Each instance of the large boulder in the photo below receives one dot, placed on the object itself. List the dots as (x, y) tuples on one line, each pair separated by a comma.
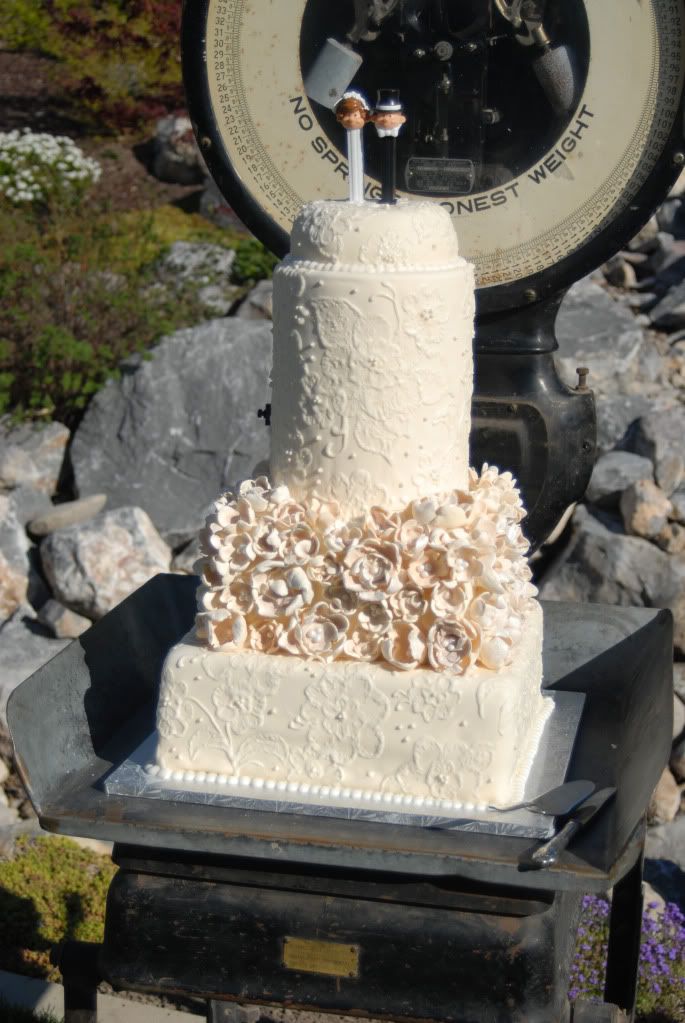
[(659, 436), (24, 648), (93, 566), (14, 560), (176, 157), (31, 454), (596, 331), (615, 472), (179, 428), (603, 567)]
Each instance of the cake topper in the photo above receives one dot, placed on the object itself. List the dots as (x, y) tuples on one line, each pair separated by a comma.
[(352, 111), (389, 118)]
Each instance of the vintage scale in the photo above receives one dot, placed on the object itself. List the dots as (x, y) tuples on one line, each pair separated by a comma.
[(550, 131)]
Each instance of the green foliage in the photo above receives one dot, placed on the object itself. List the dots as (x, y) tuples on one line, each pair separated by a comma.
[(16, 1014), (50, 890), (253, 262), (79, 293), (119, 58)]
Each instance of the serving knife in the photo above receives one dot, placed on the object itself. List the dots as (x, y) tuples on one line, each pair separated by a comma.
[(546, 854)]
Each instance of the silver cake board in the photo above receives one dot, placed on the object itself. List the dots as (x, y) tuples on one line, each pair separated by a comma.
[(132, 778)]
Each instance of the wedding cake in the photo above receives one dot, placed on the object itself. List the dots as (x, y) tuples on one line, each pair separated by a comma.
[(367, 633)]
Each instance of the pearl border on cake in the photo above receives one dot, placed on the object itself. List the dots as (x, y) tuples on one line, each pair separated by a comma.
[(293, 788)]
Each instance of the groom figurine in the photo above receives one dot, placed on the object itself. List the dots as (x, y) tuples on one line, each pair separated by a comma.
[(388, 118)]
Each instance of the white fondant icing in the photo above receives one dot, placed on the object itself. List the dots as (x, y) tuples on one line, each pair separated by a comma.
[(346, 719)]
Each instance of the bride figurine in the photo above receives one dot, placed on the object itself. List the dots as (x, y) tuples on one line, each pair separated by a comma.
[(352, 111)]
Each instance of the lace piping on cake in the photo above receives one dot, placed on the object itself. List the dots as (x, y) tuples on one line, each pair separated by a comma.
[(445, 581), (291, 265)]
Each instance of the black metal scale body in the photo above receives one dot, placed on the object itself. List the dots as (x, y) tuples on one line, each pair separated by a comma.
[(347, 916)]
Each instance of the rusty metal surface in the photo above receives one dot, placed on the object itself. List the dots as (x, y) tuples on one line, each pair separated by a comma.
[(92, 704)]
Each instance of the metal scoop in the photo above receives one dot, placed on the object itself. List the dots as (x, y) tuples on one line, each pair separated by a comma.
[(557, 802)]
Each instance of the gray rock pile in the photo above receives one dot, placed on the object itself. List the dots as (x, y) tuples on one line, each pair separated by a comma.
[(625, 544)]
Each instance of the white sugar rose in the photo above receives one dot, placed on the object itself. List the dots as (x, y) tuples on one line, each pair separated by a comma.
[(413, 538), (318, 635), (450, 601), (428, 569), (236, 553), (340, 537), (408, 605), (300, 545), (264, 637), (374, 618), (383, 525), (495, 651), (489, 611), (221, 630), (280, 592), (323, 570), (256, 493), (452, 646), (361, 645), (370, 569), (403, 646), (342, 599), (268, 539)]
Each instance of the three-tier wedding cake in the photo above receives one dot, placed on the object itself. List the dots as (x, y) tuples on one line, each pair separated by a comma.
[(367, 632)]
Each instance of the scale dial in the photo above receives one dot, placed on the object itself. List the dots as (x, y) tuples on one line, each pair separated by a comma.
[(541, 188)]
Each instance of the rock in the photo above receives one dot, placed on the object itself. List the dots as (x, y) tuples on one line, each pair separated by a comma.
[(672, 538), (678, 506), (199, 262), (644, 509), (214, 207), (672, 596), (176, 156), (68, 514), (669, 215), (205, 266), (4, 772), (678, 716), (645, 239), (677, 761), (659, 437), (678, 188), (595, 330), (179, 428), (185, 560), (600, 566), (619, 272), (31, 454), (679, 679), (615, 416), (258, 305), (665, 801), (669, 313), (14, 561), (24, 648), (615, 472), (28, 503), (92, 567), (61, 622), (663, 869)]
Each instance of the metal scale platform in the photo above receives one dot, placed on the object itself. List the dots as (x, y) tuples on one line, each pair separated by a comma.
[(550, 131)]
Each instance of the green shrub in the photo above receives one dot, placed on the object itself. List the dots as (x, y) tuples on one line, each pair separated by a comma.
[(49, 891), (79, 293), (119, 59), (253, 262)]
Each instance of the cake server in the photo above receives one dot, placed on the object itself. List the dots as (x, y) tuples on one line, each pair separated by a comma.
[(547, 853), (556, 802)]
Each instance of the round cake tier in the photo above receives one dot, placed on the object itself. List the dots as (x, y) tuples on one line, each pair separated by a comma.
[(407, 235), (373, 369)]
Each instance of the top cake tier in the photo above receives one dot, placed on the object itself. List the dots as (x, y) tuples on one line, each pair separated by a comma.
[(406, 236), (373, 369)]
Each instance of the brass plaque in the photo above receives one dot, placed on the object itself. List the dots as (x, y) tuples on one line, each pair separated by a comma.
[(329, 957)]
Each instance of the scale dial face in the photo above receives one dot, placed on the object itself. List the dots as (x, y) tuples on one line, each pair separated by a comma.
[(542, 185)]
